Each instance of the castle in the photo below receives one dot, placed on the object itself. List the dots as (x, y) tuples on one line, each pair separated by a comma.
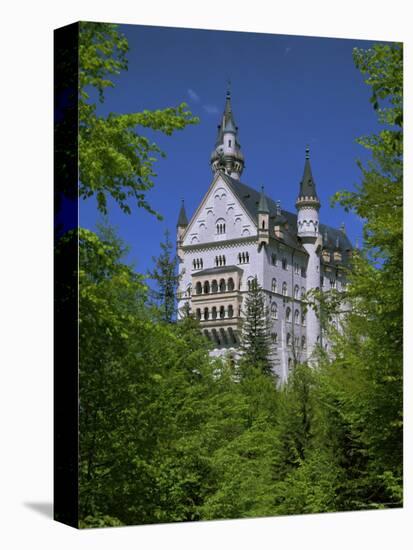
[(238, 233)]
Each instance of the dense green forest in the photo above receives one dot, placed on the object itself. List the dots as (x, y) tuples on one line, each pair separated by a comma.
[(168, 433)]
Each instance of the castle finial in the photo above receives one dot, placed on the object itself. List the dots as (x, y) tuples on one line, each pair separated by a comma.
[(307, 152), (229, 87), (343, 228)]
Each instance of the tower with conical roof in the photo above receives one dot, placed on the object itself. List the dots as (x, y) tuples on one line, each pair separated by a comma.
[(308, 228), (227, 155)]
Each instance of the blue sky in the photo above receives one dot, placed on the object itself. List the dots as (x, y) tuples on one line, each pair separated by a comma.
[(287, 91)]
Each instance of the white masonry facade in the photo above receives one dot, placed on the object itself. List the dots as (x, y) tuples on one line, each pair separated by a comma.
[(238, 233)]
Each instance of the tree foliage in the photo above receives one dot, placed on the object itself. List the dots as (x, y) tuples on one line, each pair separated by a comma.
[(166, 278), (256, 348)]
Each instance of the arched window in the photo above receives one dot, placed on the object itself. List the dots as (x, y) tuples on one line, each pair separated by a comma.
[(194, 264), (198, 314), (303, 342), (274, 311), (222, 285), (296, 341), (224, 260), (288, 314), (284, 291), (239, 258), (302, 293), (214, 312), (220, 226), (198, 288), (288, 339), (284, 263), (243, 257), (296, 292), (263, 224), (274, 338), (206, 287), (214, 286), (274, 285), (231, 284), (303, 319), (297, 317), (230, 311), (247, 257), (206, 314), (202, 263), (222, 312)]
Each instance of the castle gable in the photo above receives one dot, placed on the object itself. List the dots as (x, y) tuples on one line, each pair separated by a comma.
[(221, 216)]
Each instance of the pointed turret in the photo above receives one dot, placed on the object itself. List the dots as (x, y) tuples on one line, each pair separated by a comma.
[(263, 219), (181, 225), (307, 184), (227, 154), (182, 218), (263, 204)]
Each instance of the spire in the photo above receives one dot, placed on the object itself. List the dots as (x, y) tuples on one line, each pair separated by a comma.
[(227, 155), (307, 184), (182, 219), (263, 204)]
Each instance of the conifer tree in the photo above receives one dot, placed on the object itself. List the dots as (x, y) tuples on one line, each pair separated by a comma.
[(166, 280), (256, 345)]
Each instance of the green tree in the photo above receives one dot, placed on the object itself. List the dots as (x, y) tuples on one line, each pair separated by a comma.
[(114, 159), (256, 345), (166, 277), (370, 350)]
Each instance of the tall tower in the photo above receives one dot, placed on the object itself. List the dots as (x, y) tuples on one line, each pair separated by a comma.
[(227, 154), (308, 205)]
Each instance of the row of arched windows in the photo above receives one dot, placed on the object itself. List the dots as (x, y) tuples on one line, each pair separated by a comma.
[(215, 286), (215, 313), (243, 258), (274, 314), (274, 288), (220, 260), (197, 263)]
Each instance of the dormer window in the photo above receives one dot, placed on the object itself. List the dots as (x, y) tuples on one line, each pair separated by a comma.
[(229, 143)]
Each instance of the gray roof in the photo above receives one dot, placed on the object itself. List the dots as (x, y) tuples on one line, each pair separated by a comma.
[(250, 199), (182, 218), (307, 184)]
